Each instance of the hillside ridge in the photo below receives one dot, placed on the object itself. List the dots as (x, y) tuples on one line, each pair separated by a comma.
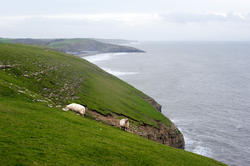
[(63, 79), (76, 46), (34, 130)]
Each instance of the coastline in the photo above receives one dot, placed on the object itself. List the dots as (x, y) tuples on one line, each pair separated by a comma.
[(169, 135)]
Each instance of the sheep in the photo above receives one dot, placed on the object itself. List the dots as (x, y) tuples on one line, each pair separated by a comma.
[(124, 124), (5, 66), (76, 108)]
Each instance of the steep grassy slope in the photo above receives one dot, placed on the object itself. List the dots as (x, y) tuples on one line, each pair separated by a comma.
[(78, 46), (65, 78), (33, 134)]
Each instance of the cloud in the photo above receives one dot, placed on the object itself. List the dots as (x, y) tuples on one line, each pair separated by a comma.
[(134, 19), (131, 19), (142, 26), (206, 17)]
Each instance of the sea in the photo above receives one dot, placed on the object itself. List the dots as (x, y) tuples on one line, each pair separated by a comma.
[(203, 87)]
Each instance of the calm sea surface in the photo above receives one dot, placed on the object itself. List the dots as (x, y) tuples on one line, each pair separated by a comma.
[(204, 88)]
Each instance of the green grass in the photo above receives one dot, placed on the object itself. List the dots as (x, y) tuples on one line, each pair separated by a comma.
[(33, 134), (66, 78), (4, 40), (63, 43), (75, 45)]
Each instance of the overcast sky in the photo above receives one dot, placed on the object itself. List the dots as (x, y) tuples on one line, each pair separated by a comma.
[(127, 19)]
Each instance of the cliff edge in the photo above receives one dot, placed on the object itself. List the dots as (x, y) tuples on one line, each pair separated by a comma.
[(62, 79)]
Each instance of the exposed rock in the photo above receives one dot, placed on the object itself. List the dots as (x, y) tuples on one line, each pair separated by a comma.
[(166, 135)]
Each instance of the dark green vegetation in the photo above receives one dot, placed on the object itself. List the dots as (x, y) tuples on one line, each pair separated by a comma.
[(78, 46), (31, 133)]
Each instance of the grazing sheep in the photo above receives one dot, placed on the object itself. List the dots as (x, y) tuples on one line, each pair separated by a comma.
[(76, 108), (124, 124), (5, 66)]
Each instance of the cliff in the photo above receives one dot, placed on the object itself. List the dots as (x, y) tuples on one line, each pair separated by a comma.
[(154, 103), (40, 81), (167, 135)]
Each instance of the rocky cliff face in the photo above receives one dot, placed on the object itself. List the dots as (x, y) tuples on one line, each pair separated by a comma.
[(151, 101), (166, 135)]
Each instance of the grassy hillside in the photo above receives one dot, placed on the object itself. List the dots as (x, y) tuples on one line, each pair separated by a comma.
[(77, 46), (34, 134), (65, 78)]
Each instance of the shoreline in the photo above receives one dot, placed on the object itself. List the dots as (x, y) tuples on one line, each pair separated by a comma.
[(93, 53), (179, 141)]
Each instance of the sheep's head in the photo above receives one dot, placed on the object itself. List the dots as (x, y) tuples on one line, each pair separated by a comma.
[(65, 109)]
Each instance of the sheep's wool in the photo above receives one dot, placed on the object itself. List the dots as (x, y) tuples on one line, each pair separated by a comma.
[(124, 123), (76, 108)]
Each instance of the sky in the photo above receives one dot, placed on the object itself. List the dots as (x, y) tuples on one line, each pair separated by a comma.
[(158, 20)]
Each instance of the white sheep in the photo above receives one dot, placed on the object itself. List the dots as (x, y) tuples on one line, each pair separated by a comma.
[(124, 124), (76, 108)]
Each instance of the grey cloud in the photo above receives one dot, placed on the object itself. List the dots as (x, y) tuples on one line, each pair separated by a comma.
[(142, 26)]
